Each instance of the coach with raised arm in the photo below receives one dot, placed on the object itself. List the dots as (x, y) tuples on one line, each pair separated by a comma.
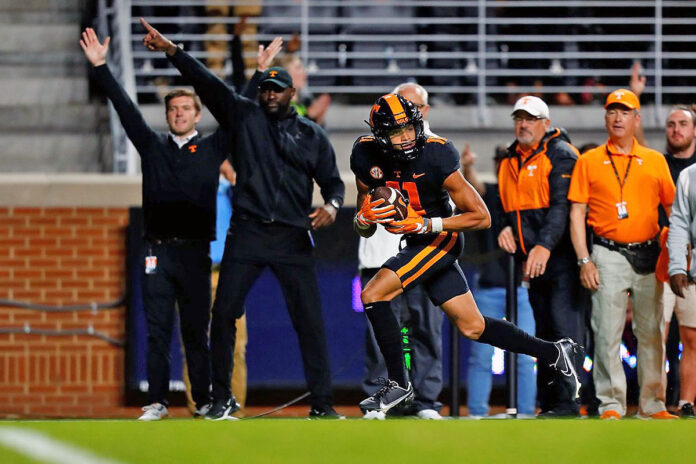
[(277, 155), (180, 180)]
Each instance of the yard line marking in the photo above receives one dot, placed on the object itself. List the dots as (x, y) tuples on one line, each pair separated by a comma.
[(46, 449)]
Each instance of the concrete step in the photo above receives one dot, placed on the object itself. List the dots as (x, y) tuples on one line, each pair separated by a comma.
[(41, 91), (40, 17), (50, 152), (28, 38), (42, 5), (54, 64), (75, 118)]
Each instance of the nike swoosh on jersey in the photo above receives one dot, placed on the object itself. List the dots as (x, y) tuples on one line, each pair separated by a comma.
[(416, 176)]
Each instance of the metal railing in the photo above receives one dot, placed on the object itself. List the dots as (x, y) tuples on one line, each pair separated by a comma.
[(113, 19), (476, 51)]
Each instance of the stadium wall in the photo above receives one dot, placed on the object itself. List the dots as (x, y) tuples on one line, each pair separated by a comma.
[(61, 255)]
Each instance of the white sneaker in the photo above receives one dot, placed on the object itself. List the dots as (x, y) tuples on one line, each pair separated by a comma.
[(154, 412), (429, 414), (202, 411), (374, 415)]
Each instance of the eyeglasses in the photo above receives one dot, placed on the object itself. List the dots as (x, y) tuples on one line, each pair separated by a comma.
[(530, 119)]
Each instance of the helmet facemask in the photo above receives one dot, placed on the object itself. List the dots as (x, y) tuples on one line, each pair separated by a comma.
[(392, 112)]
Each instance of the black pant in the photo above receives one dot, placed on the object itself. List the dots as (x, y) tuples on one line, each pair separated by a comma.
[(182, 276), (556, 299), (250, 247)]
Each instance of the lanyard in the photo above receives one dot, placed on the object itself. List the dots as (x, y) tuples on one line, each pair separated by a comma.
[(616, 172)]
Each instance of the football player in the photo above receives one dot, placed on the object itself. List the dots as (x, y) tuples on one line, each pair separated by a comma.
[(426, 171)]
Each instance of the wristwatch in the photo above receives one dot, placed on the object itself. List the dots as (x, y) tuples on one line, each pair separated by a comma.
[(583, 261), (335, 203)]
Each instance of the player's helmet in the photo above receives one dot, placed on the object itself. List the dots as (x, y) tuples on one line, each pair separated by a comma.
[(391, 112)]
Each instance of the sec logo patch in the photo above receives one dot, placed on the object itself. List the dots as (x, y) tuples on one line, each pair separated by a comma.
[(376, 172)]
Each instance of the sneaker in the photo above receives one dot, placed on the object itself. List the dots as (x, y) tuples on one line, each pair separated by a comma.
[(610, 415), (687, 411), (661, 415), (569, 356), (429, 414), (387, 397), (223, 410), (374, 415), (154, 412), (559, 413), (202, 411), (325, 412)]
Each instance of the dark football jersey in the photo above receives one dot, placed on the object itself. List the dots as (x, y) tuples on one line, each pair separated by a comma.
[(420, 180)]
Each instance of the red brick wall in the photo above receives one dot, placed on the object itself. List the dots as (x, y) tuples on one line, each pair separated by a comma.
[(62, 256)]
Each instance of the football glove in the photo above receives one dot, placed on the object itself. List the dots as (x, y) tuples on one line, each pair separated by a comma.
[(413, 224), (372, 212)]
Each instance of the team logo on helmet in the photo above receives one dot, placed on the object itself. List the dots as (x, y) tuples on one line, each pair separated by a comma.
[(391, 112), (376, 172)]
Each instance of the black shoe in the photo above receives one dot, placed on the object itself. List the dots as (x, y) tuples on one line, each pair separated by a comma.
[(569, 356), (223, 410), (559, 413), (202, 411), (687, 411), (387, 397), (324, 412)]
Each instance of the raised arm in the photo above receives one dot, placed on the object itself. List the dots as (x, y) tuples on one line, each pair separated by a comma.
[(131, 118), (222, 101)]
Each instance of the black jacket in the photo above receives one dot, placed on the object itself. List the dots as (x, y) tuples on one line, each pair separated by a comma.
[(276, 161), (179, 184)]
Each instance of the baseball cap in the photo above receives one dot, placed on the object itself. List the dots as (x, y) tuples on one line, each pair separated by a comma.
[(532, 105), (623, 97), (276, 75)]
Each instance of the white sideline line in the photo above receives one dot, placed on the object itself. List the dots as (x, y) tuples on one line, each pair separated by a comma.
[(41, 447)]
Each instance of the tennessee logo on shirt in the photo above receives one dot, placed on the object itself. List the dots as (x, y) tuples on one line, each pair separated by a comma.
[(193, 148)]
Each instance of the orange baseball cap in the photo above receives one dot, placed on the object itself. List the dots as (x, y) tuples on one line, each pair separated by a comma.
[(623, 97)]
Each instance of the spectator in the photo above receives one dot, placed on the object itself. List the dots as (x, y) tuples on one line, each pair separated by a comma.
[(277, 156), (623, 183), (533, 181), (304, 102), (682, 234), (179, 209), (490, 293), (413, 309)]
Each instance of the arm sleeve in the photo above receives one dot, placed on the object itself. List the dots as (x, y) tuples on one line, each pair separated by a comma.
[(238, 66), (326, 172), (556, 220), (357, 164), (131, 118), (579, 190), (251, 89), (679, 225), (222, 101)]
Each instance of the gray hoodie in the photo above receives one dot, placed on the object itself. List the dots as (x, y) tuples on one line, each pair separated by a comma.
[(682, 223)]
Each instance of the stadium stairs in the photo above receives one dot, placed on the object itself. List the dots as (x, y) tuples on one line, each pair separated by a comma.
[(46, 121)]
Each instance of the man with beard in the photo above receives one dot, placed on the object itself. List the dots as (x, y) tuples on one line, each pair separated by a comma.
[(277, 156)]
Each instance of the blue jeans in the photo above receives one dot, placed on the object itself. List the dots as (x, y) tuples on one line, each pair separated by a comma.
[(491, 303)]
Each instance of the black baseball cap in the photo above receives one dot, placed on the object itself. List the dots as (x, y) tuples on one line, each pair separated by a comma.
[(278, 76)]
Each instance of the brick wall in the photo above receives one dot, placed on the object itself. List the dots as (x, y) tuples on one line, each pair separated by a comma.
[(61, 256)]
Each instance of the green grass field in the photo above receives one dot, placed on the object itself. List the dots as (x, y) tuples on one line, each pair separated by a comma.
[(359, 441)]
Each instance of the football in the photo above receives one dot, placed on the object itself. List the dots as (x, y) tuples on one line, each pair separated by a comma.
[(392, 196)]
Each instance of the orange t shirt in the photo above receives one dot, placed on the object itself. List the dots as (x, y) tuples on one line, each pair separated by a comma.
[(647, 185)]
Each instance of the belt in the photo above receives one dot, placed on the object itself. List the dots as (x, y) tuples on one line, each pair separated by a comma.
[(176, 241), (615, 246)]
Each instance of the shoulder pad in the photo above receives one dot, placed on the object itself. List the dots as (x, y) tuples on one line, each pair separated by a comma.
[(366, 138), (440, 140)]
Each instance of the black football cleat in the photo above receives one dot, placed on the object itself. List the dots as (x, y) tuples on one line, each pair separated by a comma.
[(223, 410), (687, 411), (390, 395), (324, 412), (569, 356)]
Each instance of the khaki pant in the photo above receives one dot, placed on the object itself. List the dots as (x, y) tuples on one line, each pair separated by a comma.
[(239, 374), (608, 321)]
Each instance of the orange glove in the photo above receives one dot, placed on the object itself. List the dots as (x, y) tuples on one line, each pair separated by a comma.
[(371, 212), (413, 224)]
